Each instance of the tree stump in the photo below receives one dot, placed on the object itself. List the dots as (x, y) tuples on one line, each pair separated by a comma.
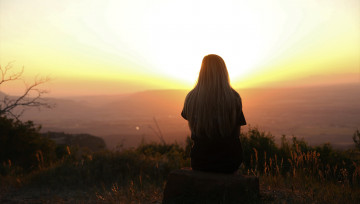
[(188, 186)]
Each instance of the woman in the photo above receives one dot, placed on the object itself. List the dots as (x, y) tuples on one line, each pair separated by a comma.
[(214, 112)]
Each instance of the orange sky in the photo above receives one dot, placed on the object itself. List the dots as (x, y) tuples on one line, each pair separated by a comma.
[(109, 47)]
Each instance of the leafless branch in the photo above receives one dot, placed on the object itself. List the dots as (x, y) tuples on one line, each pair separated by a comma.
[(31, 97), (9, 77)]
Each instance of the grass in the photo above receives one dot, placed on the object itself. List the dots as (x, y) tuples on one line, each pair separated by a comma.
[(291, 173)]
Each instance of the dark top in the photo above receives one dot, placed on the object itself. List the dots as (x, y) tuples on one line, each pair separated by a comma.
[(223, 155)]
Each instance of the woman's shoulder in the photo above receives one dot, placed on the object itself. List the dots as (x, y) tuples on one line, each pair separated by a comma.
[(190, 92), (236, 94), (237, 98), (188, 95)]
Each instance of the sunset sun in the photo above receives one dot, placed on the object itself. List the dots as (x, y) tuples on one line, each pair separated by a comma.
[(137, 45)]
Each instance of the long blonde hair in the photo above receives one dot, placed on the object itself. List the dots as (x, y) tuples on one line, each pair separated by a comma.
[(211, 106)]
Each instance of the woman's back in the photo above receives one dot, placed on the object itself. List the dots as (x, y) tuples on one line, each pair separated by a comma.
[(214, 112)]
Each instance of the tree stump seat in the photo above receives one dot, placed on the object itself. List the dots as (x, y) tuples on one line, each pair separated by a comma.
[(188, 186)]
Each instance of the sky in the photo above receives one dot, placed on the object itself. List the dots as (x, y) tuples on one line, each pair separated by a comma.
[(93, 47)]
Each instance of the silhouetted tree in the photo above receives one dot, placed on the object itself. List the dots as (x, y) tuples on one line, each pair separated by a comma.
[(22, 145), (31, 97)]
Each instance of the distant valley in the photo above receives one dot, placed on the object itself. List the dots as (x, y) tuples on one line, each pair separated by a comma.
[(317, 114)]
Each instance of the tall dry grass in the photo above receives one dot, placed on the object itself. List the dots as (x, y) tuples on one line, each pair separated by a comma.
[(293, 171)]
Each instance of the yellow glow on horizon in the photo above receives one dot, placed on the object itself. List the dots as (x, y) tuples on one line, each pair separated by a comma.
[(141, 44)]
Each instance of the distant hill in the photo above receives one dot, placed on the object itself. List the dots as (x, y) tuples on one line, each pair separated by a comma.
[(318, 114), (90, 142)]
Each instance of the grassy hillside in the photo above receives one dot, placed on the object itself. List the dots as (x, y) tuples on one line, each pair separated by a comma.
[(293, 172)]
